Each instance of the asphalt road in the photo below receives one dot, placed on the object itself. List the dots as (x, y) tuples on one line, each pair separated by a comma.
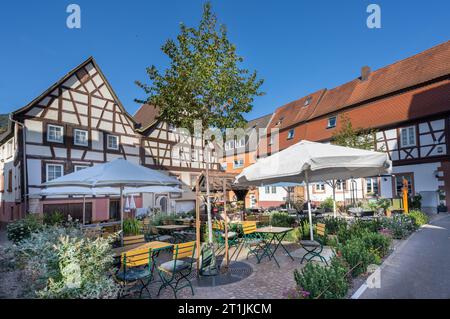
[(419, 268)]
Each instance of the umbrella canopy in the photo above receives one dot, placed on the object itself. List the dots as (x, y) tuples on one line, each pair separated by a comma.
[(99, 191), (313, 162), (322, 161), (118, 172)]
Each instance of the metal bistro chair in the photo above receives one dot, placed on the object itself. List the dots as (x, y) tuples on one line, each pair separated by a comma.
[(251, 240), (219, 235), (314, 248), (173, 272), (136, 268)]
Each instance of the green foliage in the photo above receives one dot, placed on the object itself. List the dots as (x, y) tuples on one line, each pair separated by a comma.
[(357, 255), (23, 228), (282, 219), (55, 218), (132, 226), (203, 82), (416, 202), (400, 225), (376, 242), (418, 217), (332, 225), (323, 282), (59, 262), (348, 136), (294, 235), (327, 204), (3, 122)]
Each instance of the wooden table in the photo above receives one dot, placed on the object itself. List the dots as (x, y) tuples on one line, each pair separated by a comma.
[(170, 229), (277, 235), (152, 244)]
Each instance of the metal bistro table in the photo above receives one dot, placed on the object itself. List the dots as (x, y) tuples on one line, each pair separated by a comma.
[(277, 235), (170, 229)]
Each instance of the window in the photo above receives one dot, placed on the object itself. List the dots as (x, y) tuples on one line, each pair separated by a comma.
[(341, 185), (10, 179), (9, 149), (399, 183), (54, 171), (80, 137), (229, 145), (307, 101), (280, 120), (372, 186), (331, 122), (240, 142), (113, 142), (408, 136), (290, 134), (224, 166), (274, 190), (55, 133), (267, 189), (77, 168), (238, 163), (271, 140), (319, 187)]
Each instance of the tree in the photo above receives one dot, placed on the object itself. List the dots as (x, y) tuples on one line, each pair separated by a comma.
[(348, 136), (204, 81)]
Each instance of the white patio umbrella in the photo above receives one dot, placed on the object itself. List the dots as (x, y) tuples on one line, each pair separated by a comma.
[(117, 173), (314, 162), (132, 202)]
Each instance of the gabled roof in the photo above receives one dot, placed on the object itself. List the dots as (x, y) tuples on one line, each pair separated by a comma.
[(67, 76), (146, 115)]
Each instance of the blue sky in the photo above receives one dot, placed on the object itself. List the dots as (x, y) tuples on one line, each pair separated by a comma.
[(296, 46)]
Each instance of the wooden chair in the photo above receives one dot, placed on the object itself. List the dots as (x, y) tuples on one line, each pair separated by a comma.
[(264, 219), (132, 240), (314, 248), (251, 218), (178, 269), (136, 268)]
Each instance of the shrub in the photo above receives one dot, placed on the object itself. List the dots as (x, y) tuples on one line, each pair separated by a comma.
[(23, 228), (323, 282), (418, 217), (55, 218), (357, 255), (59, 262), (376, 242), (294, 235), (400, 225), (416, 202), (327, 204), (282, 220), (332, 224), (132, 226)]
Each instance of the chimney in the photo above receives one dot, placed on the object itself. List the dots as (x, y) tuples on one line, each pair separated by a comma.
[(365, 72)]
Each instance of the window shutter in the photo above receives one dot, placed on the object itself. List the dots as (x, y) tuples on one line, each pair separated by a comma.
[(10, 181), (2, 183)]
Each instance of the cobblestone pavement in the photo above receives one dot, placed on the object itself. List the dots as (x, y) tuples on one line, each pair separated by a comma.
[(266, 281)]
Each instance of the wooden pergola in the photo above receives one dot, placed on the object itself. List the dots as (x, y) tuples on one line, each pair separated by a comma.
[(219, 183)]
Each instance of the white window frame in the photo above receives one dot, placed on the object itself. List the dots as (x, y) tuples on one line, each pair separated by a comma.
[(77, 168), (271, 140), (407, 130), (47, 170), (48, 133), (75, 137), (240, 165), (267, 189), (291, 136), (330, 120), (107, 142), (274, 189), (240, 142), (372, 181), (319, 187)]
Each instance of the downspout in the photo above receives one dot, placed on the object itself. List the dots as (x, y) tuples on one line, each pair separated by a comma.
[(24, 157)]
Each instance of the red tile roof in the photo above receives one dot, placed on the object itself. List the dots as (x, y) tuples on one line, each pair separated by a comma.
[(146, 115)]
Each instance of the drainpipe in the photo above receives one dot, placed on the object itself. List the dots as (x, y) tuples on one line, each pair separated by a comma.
[(24, 156)]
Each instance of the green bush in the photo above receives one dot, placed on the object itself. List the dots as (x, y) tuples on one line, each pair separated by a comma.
[(23, 228), (323, 282), (415, 202), (376, 242), (332, 225), (294, 235), (55, 218), (357, 255), (400, 225), (132, 226), (282, 220), (327, 204), (60, 262), (418, 217)]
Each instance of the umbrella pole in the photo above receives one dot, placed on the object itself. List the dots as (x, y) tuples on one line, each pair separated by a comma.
[(226, 222), (84, 210), (197, 224), (334, 198), (121, 213), (309, 206)]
